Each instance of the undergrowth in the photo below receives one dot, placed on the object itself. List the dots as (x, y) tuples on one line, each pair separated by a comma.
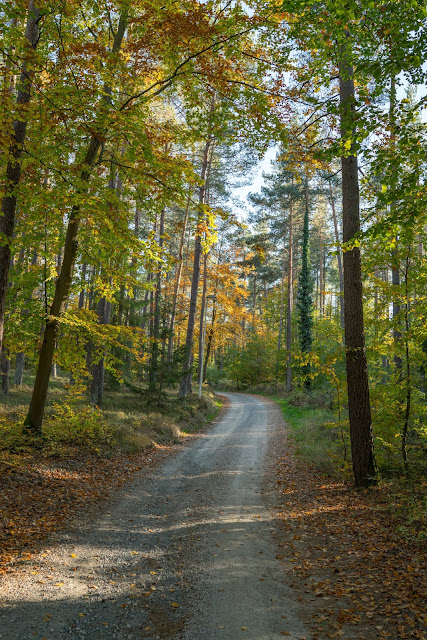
[(320, 440), (126, 423), (323, 442)]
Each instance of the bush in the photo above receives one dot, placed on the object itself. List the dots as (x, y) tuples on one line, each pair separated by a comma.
[(86, 427)]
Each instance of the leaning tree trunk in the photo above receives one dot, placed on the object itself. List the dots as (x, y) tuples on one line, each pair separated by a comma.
[(14, 153), (359, 407), (34, 418)]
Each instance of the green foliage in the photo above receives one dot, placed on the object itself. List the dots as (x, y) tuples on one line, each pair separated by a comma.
[(305, 299), (85, 427), (254, 363), (319, 440)]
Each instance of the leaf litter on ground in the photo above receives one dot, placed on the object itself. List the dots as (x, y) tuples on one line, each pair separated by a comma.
[(343, 546), (41, 494)]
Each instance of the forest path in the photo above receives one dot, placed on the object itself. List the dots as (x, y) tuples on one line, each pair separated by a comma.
[(186, 553)]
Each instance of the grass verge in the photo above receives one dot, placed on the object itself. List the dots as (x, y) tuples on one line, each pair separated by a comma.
[(318, 438)]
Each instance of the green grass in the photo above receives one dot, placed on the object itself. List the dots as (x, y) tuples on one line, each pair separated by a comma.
[(317, 436)]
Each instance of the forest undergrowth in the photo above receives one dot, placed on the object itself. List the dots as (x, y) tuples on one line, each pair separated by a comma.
[(84, 455), (323, 445)]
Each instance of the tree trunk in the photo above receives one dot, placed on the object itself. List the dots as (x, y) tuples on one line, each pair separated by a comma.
[(395, 268), (289, 300), (209, 343), (38, 400), (321, 276), (339, 253), (19, 369), (357, 374), (35, 414), (14, 153), (187, 368), (98, 369), (177, 281), (282, 300), (156, 313), (203, 310), (82, 293), (305, 293), (4, 371)]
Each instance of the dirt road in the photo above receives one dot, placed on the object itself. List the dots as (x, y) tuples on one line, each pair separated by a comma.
[(187, 553)]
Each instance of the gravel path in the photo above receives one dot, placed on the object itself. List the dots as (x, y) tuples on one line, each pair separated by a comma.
[(187, 553)]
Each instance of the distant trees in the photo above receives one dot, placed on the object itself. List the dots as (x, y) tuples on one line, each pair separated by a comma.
[(125, 127)]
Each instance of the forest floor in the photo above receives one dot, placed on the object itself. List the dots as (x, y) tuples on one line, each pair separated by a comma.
[(84, 458), (323, 560), (345, 545)]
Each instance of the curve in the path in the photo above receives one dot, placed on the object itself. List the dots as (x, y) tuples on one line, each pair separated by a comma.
[(187, 554)]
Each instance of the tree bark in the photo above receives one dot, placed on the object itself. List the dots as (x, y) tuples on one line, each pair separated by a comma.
[(203, 310), (395, 267), (177, 282), (4, 371), (209, 343), (34, 418), (187, 368), (13, 169), (321, 276), (339, 253), (19, 369), (153, 373), (282, 300), (289, 300), (357, 373), (98, 369), (82, 294)]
